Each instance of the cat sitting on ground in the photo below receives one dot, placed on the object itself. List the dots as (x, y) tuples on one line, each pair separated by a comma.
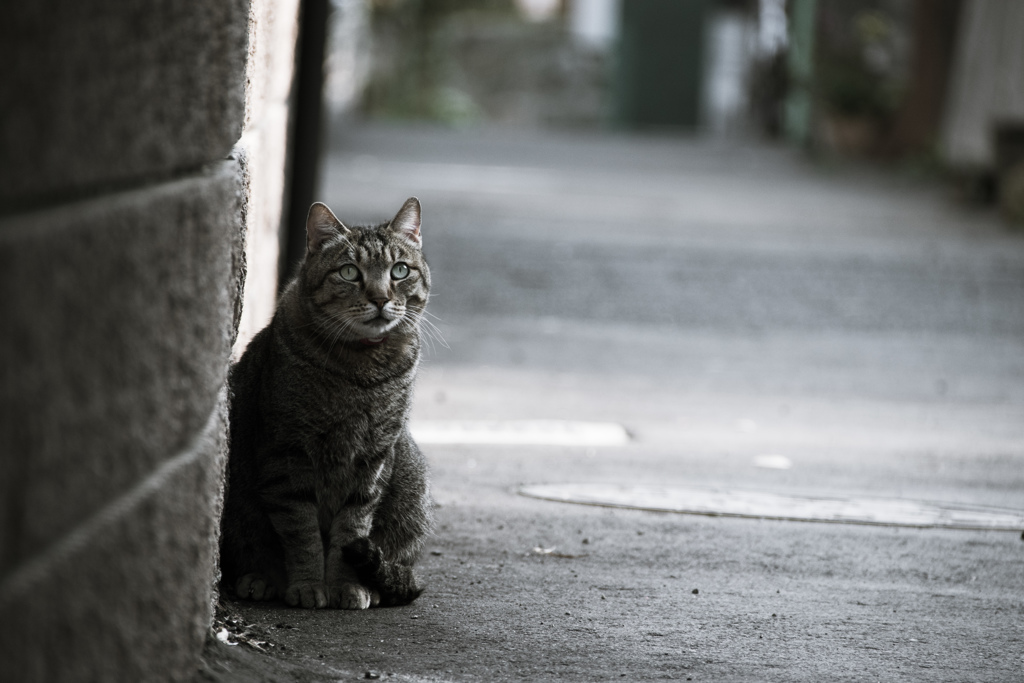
[(327, 502)]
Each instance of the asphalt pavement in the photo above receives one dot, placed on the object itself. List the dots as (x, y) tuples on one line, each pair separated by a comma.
[(758, 323)]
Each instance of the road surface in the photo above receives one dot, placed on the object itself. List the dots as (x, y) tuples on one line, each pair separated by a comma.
[(758, 325)]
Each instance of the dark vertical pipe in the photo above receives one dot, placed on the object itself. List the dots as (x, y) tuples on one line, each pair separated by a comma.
[(306, 124)]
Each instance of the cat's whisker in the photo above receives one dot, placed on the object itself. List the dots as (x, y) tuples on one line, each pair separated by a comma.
[(430, 342), (428, 328), (405, 323), (410, 323), (330, 324), (334, 330), (424, 338), (424, 311), (424, 316), (433, 331), (340, 330)]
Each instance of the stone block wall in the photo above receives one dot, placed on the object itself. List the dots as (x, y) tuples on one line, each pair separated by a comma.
[(143, 151), (105, 92)]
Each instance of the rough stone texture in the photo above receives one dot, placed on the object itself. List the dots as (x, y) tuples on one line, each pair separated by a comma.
[(125, 596), (114, 348), (123, 237), (107, 91)]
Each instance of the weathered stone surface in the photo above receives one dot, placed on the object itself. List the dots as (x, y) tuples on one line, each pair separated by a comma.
[(126, 595), (114, 345), (106, 91)]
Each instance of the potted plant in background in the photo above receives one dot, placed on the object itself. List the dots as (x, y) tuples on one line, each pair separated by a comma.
[(861, 69)]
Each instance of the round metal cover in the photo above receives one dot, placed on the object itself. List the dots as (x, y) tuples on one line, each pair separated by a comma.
[(760, 505)]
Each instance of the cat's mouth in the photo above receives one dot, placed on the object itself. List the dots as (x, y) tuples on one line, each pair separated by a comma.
[(377, 327), (376, 331)]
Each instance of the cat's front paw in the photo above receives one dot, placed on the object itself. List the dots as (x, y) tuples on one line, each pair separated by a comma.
[(255, 587), (353, 596), (307, 594)]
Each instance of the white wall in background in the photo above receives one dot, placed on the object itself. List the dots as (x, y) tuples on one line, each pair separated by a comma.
[(594, 22), (348, 58), (730, 52)]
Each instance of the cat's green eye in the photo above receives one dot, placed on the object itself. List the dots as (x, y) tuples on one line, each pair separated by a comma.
[(399, 271), (349, 272)]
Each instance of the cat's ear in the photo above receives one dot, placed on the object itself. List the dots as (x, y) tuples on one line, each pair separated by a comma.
[(407, 221), (321, 225)]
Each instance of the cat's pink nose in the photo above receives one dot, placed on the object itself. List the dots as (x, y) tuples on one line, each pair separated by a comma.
[(380, 303)]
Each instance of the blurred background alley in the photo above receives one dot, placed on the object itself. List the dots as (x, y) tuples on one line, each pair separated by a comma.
[(757, 261), (740, 229), (723, 302), (772, 241)]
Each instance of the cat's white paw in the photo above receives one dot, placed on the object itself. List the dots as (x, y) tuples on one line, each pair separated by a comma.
[(308, 594), (353, 596), (255, 587)]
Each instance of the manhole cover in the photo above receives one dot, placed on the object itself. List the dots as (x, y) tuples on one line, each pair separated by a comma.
[(753, 504), (519, 432)]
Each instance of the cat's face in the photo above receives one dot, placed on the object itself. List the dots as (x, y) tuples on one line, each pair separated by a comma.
[(367, 283)]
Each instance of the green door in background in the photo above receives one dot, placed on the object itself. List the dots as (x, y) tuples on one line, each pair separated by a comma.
[(660, 58)]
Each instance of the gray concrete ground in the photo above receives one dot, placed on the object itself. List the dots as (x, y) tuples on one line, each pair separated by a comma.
[(722, 302)]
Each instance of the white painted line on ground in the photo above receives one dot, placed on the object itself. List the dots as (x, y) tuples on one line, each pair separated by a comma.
[(746, 425), (753, 504), (773, 462), (519, 432)]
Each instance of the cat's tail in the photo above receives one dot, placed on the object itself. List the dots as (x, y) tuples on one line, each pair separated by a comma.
[(395, 582)]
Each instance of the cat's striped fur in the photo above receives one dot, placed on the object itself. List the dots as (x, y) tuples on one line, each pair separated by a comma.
[(327, 501)]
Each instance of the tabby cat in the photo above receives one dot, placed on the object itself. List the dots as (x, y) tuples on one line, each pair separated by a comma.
[(327, 501)]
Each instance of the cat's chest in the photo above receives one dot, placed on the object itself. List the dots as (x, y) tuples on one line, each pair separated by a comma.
[(341, 421), (349, 441)]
